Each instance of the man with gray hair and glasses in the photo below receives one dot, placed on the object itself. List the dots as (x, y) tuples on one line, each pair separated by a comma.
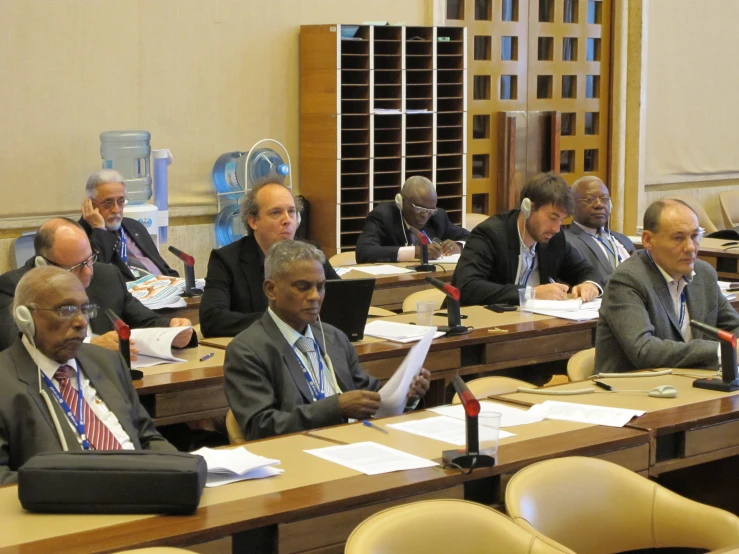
[(589, 232), (288, 373), (120, 241)]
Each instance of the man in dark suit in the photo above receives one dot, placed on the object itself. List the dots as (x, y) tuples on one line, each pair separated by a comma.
[(52, 309), (62, 242), (603, 248), (286, 374), (386, 236), (120, 241), (650, 299), (234, 296), (525, 247)]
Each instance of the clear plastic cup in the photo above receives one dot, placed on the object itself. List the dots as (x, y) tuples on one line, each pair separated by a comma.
[(489, 426), (425, 313), (526, 297)]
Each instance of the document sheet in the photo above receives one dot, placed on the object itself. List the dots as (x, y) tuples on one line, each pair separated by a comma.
[(398, 332), (371, 458), (510, 416), (382, 269), (447, 429), (155, 345), (584, 413), (236, 464), (574, 310)]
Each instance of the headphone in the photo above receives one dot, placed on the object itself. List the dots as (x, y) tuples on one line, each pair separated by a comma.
[(24, 321), (526, 208), (399, 201), (40, 261)]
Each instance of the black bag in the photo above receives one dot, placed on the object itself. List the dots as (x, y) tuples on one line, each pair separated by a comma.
[(112, 482)]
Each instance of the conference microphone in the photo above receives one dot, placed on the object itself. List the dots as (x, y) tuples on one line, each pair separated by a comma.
[(423, 241), (729, 379), (124, 342), (454, 319), (189, 261), (450, 290)]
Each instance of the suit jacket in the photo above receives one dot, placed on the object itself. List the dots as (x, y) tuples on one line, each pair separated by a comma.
[(106, 243), (234, 295), (638, 327), (384, 233), (266, 388), (107, 289), (26, 427), (486, 272), (588, 247)]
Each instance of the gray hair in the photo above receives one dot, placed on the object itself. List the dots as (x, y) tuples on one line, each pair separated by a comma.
[(584, 180), (43, 242), (249, 205), (415, 186), (36, 281), (100, 178), (284, 253)]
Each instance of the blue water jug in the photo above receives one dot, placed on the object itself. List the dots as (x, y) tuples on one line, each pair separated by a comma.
[(229, 227), (230, 174)]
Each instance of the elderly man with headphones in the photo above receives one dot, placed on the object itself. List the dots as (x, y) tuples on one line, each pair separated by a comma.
[(41, 408), (526, 247)]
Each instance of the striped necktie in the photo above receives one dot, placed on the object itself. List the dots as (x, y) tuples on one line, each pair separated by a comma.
[(100, 437)]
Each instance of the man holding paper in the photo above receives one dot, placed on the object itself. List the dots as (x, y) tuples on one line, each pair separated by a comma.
[(285, 373)]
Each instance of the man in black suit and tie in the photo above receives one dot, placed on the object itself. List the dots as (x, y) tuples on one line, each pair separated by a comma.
[(286, 374), (386, 236), (120, 241), (50, 366), (603, 248)]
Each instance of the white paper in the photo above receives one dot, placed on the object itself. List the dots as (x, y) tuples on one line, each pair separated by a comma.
[(510, 416), (236, 464), (447, 429), (394, 393), (584, 413), (155, 345), (559, 305), (451, 259), (578, 315), (398, 332), (219, 479), (342, 270), (371, 458), (382, 269)]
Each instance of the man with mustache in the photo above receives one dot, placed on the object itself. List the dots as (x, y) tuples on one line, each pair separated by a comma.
[(526, 248), (45, 371), (120, 241), (651, 298)]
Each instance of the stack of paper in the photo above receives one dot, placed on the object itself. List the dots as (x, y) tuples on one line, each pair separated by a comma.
[(447, 429), (371, 458), (584, 413), (398, 332), (236, 464), (155, 345), (382, 269), (575, 309), (160, 291), (510, 416)]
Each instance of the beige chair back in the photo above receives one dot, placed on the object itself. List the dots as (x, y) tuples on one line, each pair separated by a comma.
[(409, 304), (563, 498), (157, 550), (472, 220), (487, 386), (703, 219), (444, 527), (343, 259), (235, 434), (729, 201), (581, 365)]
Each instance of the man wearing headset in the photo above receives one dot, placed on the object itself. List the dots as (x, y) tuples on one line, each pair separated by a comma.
[(389, 236), (286, 374), (603, 248), (526, 248), (41, 409), (234, 297)]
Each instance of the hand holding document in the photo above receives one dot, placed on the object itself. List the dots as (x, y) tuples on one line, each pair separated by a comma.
[(584, 413), (371, 458), (236, 464), (155, 345)]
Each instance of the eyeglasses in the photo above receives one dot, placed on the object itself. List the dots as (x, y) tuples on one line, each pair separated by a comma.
[(77, 269), (71, 311), (110, 202), (421, 209), (591, 200)]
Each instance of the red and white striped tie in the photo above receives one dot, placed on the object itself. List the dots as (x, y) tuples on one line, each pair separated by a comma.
[(100, 437)]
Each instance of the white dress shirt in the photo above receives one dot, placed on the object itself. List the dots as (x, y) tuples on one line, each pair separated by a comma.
[(622, 253), (676, 289)]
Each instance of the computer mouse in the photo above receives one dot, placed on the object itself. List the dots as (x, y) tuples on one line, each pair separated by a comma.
[(663, 391)]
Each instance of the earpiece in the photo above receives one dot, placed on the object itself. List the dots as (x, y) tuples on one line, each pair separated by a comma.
[(399, 201), (526, 208), (399, 205), (24, 321), (40, 261), (297, 219)]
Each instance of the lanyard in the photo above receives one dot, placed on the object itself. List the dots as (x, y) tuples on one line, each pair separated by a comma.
[(530, 268), (615, 253), (124, 248), (78, 424), (318, 392), (682, 309)]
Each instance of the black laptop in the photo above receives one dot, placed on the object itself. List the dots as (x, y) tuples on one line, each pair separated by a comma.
[(346, 305)]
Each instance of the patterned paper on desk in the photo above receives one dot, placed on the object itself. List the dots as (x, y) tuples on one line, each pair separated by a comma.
[(160, 291)]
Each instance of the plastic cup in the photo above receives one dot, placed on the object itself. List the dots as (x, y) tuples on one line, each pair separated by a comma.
[(489, 426), (425, 313), (526, 297)]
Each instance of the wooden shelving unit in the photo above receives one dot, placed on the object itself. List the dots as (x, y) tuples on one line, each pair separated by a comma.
[(351, 155)]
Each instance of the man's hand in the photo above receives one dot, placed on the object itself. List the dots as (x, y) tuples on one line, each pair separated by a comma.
[(359, 404), (420, 385), (109, 341), (180, 322), (553, 291), (184, 338), (586, 291), (92, 215), (449, 247), (434, 251)]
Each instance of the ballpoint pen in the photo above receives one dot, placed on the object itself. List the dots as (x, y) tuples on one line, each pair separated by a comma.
[(367, 423), (208, 356)]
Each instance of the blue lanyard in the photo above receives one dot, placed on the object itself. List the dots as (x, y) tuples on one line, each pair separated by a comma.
[(611, 251), (318, 393), (79, 424), (528, 273), (124, 248), (682, 309)]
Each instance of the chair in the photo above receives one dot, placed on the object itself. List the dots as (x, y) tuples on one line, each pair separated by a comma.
[(409, 304), (380, 312), (472, 220), (487, 386), (581, 365), (157, 550), (444, 526), (729, 201), (703, 219), (595, 506), (235, 434), (343, 259)]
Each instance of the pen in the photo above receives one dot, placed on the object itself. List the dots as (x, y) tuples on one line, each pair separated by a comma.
[(552, 281), (603, 385), (208, 356), (370, 424)]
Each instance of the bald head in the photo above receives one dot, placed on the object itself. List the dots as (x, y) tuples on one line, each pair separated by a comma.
[(592, 202), (419, 200), (64, 243)]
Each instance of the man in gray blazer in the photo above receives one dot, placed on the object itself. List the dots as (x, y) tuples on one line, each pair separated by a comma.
[(49, 365), (286, 374), (651, 298), (603, 248)]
